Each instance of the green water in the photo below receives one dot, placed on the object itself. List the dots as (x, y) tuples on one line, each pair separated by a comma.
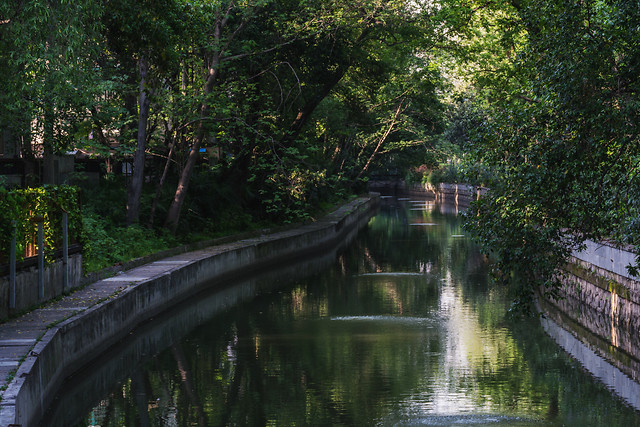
[(402, 328)]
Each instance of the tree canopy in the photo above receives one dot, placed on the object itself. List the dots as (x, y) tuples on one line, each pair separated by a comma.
[(274, 107), (290, 101), (560, 133)]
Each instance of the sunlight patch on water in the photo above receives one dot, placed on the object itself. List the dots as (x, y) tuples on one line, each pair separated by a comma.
[(392, 274), (462, 420), (387, 319), (424, 224)]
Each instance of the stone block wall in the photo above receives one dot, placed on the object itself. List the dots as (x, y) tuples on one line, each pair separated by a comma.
[(608, 257), (607, 305), (460, 195), (457, 194)]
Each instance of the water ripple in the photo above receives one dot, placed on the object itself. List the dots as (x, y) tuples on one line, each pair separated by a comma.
[(463, 420), (386, 319)]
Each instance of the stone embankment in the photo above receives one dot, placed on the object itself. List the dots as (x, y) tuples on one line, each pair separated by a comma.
[(49, 344), (601, 303), (457, 195)]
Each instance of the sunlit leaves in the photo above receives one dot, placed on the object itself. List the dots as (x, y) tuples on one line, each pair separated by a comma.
[(562, 137)]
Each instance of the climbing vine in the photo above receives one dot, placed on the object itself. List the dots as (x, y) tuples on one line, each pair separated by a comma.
[(28, 206)]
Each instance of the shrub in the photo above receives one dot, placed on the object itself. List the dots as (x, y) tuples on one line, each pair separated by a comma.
[(47, 203)]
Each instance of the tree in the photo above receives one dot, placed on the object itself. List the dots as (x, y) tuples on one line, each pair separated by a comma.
[(562, 139), (360, 79), (48, 51), (221, 23), (142, 37)]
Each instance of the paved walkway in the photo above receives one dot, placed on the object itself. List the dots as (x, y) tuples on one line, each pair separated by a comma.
[(143, 289), (19, 335)]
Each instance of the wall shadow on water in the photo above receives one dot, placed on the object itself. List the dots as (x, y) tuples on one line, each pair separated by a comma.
[(402, 327), (83, 390), (616, 369)]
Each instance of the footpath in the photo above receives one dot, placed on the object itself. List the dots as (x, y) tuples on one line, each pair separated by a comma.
[(39, 349)]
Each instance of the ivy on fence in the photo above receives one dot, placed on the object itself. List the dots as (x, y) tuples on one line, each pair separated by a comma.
[(28, 205)]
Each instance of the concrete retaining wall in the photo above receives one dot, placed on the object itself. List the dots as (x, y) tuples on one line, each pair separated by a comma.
[(607, 305), (27, 292), (460, 195), (119, 361), (608, 257), (72, 343)]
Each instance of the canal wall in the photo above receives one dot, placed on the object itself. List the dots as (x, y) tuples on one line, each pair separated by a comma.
[(458, 195), (146, 292), (115, 365), (600, 302)]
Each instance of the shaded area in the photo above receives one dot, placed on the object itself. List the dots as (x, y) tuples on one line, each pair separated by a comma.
[(402, 328)]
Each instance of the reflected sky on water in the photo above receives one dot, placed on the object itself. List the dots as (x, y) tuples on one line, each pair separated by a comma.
[(401, 328)]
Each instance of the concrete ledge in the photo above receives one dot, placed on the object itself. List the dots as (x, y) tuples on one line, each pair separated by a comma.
[(149, 289)]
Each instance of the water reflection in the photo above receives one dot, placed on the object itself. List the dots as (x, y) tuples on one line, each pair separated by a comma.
[(402, 328), (609, 375)]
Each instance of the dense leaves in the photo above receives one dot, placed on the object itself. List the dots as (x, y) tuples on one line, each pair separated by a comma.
[(261, 111), (23, 207), (281, 105), (562, 137)]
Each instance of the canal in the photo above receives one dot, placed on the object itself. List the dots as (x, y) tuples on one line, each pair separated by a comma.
[(402, 327)]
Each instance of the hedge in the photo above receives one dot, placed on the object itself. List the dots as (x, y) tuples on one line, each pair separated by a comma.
[(26, 206)]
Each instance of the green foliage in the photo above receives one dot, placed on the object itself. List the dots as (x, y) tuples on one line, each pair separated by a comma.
[(560, 136), (359, 77), (215, 206), (48, 52), (295, 196), (106, 245), (447, 173), (24, 206), (106, 200), (458, 171)]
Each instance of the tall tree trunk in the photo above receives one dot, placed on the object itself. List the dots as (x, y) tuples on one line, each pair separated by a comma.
[(98, 134), (165, 172), (173, 215), (382, 139), (307, 109), (332, 80), (137, 179)]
